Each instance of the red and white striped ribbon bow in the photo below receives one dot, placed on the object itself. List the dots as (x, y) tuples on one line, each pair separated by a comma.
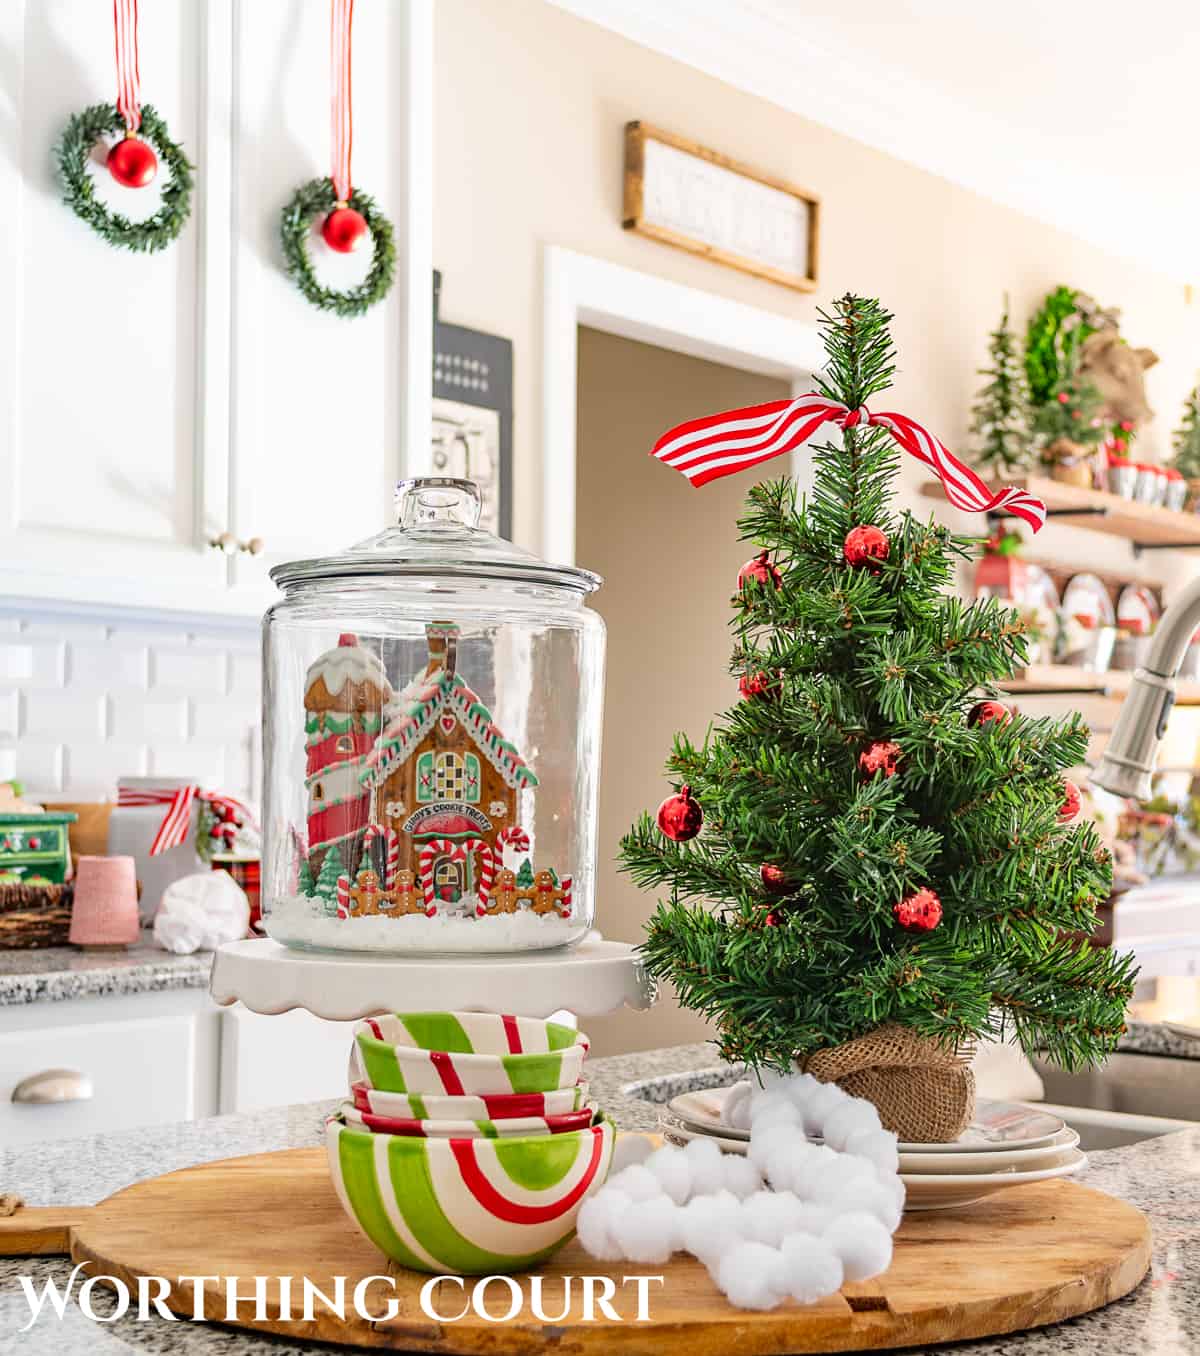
[(129, 77), (174, 827), (341, 17), (707, 449)]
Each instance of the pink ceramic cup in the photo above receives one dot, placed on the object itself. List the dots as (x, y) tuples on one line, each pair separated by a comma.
[(105, 911)]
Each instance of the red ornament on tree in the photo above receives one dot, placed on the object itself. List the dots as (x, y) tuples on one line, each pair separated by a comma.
[(865, 545), (759, 684), (680, 817), (343, 229), (761, 570), (880, 756), (132, 163), (1071, 801), (773, 878), (984, 713), (773, 919), (919, 912)]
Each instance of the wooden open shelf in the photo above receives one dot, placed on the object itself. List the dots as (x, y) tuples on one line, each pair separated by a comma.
[(1048, 679), (1146, 526)]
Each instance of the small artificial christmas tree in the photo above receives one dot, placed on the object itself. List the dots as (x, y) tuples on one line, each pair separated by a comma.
[(326, 887), (1185, 441), (305, 882), (884, 850), (525, 875), (1000, 419), (1072, 413)]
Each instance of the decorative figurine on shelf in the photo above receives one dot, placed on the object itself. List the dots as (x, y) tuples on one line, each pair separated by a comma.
[(414, 796), (1000, 417)]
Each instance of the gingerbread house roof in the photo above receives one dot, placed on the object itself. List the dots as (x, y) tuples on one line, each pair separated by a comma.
[(413, 716), (346, 678)]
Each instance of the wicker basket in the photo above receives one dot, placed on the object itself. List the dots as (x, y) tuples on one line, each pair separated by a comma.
[(35, 915)]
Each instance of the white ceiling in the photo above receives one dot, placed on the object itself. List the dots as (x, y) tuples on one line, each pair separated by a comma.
[(1084, 115)]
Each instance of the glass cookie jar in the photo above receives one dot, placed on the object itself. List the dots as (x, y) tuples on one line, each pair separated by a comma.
[(432, 741)]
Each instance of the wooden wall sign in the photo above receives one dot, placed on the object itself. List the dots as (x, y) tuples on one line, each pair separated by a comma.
[(699, 200)]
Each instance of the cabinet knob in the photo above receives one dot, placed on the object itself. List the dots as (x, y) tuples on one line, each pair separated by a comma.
[(54, 1085), (229, 545)]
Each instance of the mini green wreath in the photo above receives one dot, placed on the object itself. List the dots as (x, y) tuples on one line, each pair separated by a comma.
[(72, 152), (314, 199)]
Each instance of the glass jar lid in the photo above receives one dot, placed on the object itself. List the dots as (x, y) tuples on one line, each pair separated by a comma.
[(437, 535)]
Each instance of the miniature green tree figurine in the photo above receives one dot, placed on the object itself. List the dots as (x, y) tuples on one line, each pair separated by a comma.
[(326, 886), (1000, 419), (886, 869), (305, 880), (1186, 439)]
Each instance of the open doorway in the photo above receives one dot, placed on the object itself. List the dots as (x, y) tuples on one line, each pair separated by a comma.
[(669, 556)]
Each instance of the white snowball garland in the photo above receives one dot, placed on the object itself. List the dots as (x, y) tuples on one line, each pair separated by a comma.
[(791, 1219)]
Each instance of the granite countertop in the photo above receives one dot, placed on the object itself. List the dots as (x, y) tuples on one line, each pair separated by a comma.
[(55, 973), (1160, 1176)]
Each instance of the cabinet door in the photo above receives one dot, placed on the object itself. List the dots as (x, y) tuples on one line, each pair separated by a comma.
[(316, 398), (280, 1060), (140, 1072), (101, 388)]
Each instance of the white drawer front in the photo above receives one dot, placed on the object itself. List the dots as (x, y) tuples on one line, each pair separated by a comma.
[(141, 1072), (274, 1061)]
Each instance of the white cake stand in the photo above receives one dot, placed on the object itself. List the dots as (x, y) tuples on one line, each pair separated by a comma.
[(593, 978)]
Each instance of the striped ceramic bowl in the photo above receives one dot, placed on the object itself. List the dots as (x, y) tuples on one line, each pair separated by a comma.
[(414, 1107), (470, 1129), (478, 1053), (469, 1206)]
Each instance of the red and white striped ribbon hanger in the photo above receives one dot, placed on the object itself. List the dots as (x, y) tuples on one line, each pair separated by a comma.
[(721, 444), (341, 18), (178, 800), (129, 77)]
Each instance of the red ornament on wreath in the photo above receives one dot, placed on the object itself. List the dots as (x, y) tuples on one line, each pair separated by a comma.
[(344, 229), (760, 570), (985, 713), (866, 545), (881, 756), (132, 163), (1072, 799), (679, 816), (774, 878), (759, 684), (919, 912), (773, 919)]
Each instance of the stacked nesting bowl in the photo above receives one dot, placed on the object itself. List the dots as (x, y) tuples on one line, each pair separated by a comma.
[(468, 1143)]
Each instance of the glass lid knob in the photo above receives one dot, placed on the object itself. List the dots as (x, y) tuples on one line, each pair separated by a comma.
[(434, 501)]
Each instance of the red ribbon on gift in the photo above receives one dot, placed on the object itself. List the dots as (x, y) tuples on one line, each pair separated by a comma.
[(721, 444), (174, 827)]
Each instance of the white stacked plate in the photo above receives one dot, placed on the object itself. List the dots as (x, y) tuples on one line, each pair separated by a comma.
[(1006, 1145)]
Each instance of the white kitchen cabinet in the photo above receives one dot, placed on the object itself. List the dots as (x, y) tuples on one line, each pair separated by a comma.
[(149, 403), (275, 1061), (148, 1059)]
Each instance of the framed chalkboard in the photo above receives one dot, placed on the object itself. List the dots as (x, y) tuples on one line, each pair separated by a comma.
[(473, 412)]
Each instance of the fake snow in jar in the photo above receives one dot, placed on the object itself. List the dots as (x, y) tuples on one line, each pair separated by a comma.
[(432, 703)]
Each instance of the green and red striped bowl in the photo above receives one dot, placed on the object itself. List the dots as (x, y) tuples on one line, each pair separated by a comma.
[(472, 1053), (467, 1206), (413, 1106), (485, 1128)]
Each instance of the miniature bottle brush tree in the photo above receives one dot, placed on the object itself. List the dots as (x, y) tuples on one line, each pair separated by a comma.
[(885, 847)]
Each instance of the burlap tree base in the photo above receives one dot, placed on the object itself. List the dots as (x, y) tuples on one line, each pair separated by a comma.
[(922, 1090)]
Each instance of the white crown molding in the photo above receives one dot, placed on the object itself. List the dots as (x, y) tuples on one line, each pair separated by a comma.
[(888, 109)]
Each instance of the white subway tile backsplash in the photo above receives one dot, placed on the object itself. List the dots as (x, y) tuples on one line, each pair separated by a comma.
[(108, 663), (95, 769), (10, 703), (63, 714), (39, 765), (200, 762), (136, 716), (84, 702), (190, 671)]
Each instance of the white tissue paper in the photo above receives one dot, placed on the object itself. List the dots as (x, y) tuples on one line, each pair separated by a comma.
[(201, 912)]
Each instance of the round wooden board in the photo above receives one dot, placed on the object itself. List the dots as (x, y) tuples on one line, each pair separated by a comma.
[(1029, 1256)]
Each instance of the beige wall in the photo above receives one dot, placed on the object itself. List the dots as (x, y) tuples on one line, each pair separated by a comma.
[(531, 103), (668, 578)]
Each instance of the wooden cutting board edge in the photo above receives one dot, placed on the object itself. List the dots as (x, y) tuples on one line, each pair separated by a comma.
[(690, 1317)]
